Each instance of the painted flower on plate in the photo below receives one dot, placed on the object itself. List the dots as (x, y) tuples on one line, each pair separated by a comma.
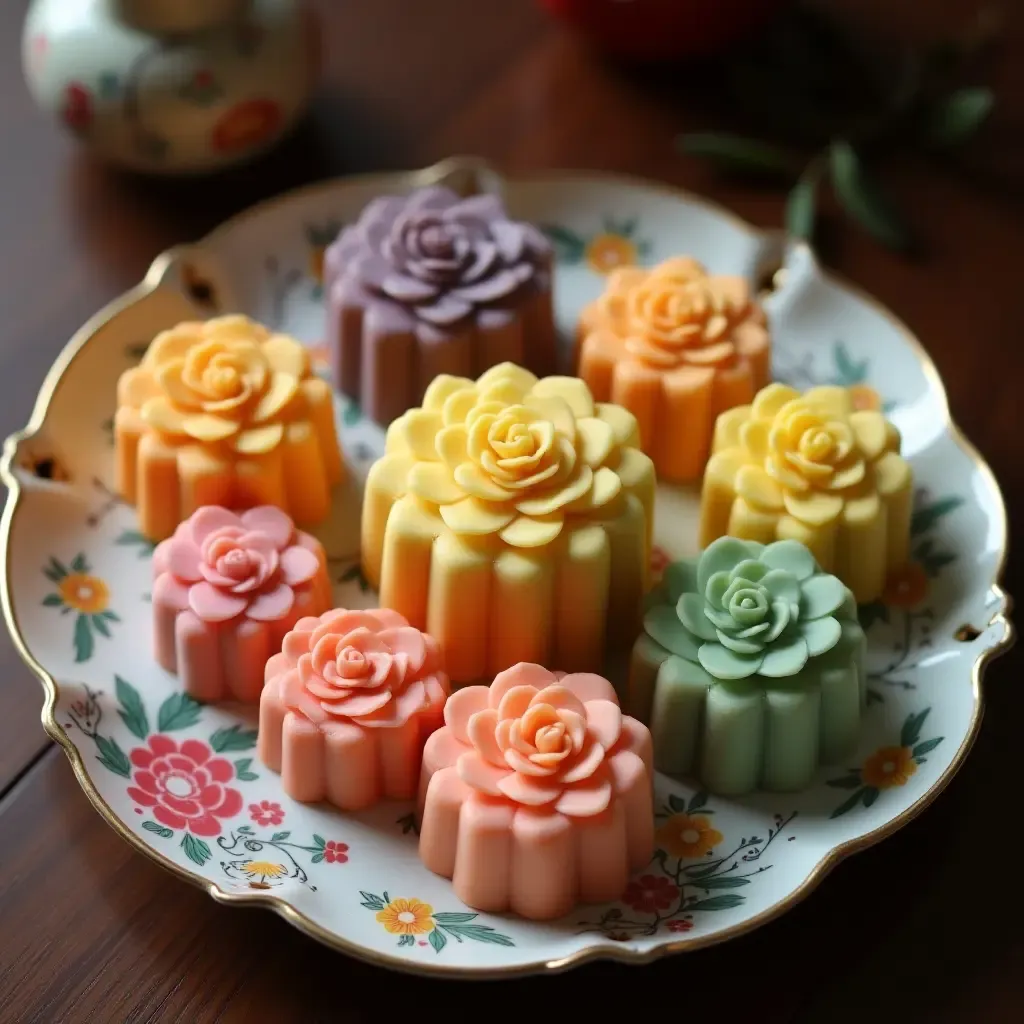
[(889, 767), (369, 666), (185, 785), (407, 917), (687, 835), (650, 894)]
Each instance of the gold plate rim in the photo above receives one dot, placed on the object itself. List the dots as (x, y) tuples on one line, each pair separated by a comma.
[(444, 170)]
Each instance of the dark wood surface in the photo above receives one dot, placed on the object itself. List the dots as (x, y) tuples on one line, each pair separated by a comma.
[(926, 927)]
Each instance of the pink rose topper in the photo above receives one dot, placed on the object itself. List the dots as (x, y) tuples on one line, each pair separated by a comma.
[(370, 666), (540, 738), (224, 565)]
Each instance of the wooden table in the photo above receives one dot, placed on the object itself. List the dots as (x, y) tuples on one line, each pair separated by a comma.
[(926, 927)]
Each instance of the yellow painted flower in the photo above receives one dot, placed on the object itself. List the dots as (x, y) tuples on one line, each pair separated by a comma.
[(263, 869), (513, 455), (84, 593), (688, 835), (606, 252), (407, 917), (907, 587), (888, 767), (223, 380)]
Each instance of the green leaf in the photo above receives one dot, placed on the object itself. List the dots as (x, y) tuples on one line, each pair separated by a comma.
[(233, 738), (245, 830), (570, 246), (372, 899), (195, 849), (722, 882), (100, 626), (874, 697), (478, 933), (869, 795), (697, 802), (862, 198), (55, 571), (928, 745), (179, 711), (740, 154), (319, 841), (934, 564), (317, 857), (242, 772), (53, 601), (956, 117), (676, 803), (871, 613), (113, 757), (437, 939), (801, 207), (407, 940), (925, 518), (130, 538), (911, 731), (847, 805), (79, 564), (112, 616), (454, 918), (726, 901), (847, 782), (161, 830), (849, 370), (352, 414), (83, 639), (279, 837), (132, 711)]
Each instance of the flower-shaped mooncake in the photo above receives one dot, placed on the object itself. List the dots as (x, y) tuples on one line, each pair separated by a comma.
[(431, 283), (676, 346), (750, 668), (536, 795), (226, 589), (812, 468), (511, 519), (224, 413), (348, 705)]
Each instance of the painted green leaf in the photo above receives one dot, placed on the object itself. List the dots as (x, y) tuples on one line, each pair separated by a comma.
[(928, 745), (846, 782), (179, 711), (847, 805), (407, 940), (161, 830), (453, 918), (195, 849), (130, 538), (352, 414), (801, 208), (478, 933), (676, 803), (726, 901), (316, 858), (83, 639), (111, 616), (874, 697), (925, 518), (869, 614), (569, 246), (132, 710), (935, 563), (849, 370), (100, 625), (233, 738), (697, 802), (955, 118), (437, 939), (242, 772), (79, 563), (911, 731), (319, 841), (869, 795), (740, 154), (722, 882), (59, 569), (53, 601), (862, 198), (111, 756), (372, 899), (279, 837)]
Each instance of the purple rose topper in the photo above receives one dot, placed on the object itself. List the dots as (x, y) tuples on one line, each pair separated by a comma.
[(440, 256)]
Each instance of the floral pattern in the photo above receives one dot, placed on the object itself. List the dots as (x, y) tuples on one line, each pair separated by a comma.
[(80, 592), (247, 125), (888, 767), (266, 812), (617, 243), (409, 918)]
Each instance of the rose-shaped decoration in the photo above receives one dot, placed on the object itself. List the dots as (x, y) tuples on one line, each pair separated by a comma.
[(815, 469), (226, 588), (455, 276), (750, 667), (547, 767), (542, 470), (348, 704), (676, 346), (239, 413)]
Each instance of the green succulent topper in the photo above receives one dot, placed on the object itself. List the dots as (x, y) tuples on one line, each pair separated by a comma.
[(744, 608)]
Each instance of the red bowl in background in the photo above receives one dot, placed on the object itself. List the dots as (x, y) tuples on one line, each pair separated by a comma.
[(662, 29)]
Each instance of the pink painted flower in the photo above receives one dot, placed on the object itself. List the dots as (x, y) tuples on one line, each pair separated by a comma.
[(371, 666), (185, 785), (266, 813), (222, 565), (539, 738), (336, 853), (680, 924)]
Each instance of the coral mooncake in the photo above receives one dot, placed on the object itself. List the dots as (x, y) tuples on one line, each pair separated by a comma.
[(676, 346), (348, 704), (224, 413), (430, 283), (510, 518), (750, 668), (812, 468), (226, 589), (537, 794)]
